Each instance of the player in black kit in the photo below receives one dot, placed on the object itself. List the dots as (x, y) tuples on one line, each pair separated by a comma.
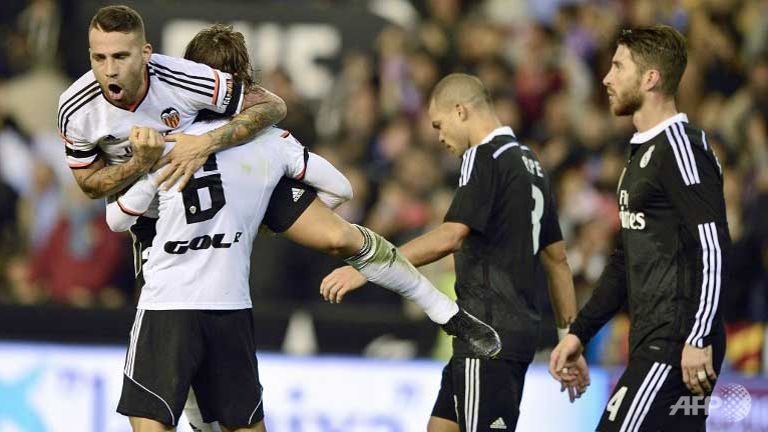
[(672, 251), (501, 225)]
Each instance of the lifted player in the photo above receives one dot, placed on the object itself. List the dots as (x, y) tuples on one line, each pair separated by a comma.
[(315, 225)]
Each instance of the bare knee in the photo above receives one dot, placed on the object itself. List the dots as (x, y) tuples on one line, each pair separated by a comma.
[(342, 240), (438, 424), (141, 424), (258, 427)]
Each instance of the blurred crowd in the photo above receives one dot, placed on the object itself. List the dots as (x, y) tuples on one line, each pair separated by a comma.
[(543, 62)]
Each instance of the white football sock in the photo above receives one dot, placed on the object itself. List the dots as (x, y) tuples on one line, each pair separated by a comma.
[(381, 263)]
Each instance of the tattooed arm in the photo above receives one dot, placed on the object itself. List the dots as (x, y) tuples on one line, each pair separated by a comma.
[(262, 109), (98, 180)]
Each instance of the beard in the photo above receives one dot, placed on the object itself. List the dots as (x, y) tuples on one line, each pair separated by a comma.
[(628, 102), (125, 91)]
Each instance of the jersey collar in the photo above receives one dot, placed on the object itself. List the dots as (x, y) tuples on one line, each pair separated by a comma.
[(504, 130), (644, 137)]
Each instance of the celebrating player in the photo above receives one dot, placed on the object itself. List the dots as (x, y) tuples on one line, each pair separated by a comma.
[(306, 221), (128, 85)]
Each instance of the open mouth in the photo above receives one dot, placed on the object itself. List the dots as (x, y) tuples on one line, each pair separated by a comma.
[(115, 92)]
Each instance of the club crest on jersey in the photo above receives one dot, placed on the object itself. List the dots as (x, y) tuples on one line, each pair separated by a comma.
[(171, 117), (647, 157)]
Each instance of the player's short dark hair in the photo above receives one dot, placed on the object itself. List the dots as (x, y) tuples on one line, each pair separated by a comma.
[(118, 18), (460, 88), (658, 47), (222, 48)]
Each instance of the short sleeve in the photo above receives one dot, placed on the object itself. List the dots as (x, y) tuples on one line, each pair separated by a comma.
[(79, 152), (473, 201), (288, 201), (295, 156), (550, 225)]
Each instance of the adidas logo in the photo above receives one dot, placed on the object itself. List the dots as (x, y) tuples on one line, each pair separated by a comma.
[(297, 193), (499, 424)]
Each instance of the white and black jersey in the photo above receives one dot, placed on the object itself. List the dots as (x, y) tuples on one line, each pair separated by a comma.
[(506, 198), (177, 90), (673, 247), (196, 255)]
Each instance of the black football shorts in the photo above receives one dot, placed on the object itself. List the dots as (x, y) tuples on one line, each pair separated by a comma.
[(288, 201), (481, 395), (213, 351)]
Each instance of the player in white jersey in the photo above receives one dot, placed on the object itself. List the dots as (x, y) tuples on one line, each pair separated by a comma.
[(312, 224), (221, 208), (128, 85), (211, 225), (308, 222), (194, 325), (318, 228)]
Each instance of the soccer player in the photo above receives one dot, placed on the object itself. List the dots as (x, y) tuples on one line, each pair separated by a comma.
[(193, 324), (501, 224), (312, 224), (672, 248), (128, 85), (315, 225)]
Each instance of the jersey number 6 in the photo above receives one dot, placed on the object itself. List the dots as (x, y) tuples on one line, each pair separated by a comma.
[(191, 194)]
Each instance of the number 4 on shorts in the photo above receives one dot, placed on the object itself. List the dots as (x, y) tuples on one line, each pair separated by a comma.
[(615, 403)]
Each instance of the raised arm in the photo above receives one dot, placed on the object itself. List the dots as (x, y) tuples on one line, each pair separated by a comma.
[(261, 109), (97, 180)]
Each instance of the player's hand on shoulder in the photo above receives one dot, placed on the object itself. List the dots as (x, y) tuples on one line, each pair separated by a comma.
[(339, 282), (148, 145), (186, 157)]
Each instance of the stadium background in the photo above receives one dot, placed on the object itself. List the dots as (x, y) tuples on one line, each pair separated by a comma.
[(355, 76)]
